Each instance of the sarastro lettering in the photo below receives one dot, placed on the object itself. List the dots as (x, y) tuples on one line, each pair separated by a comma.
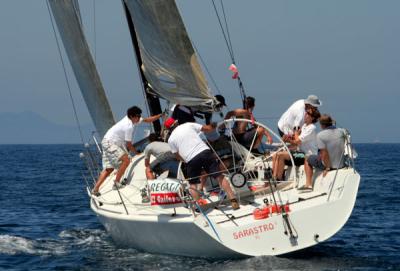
[(253, 231)]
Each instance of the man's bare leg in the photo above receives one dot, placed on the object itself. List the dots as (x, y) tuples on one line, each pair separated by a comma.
[(193, 191), (280, 167), (309, 173), (223, 182), (121, 170), (275, 158), (259, 136), (103, 175)]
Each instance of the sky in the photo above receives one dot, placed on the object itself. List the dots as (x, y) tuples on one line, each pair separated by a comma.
[(345, 52)]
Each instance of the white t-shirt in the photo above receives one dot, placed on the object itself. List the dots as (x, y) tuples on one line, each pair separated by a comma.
[(186, 141), (308, 137), (121, 132), (293, 117)]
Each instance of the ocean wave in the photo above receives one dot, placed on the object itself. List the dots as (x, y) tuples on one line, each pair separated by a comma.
[(83, 237), (13, 245)]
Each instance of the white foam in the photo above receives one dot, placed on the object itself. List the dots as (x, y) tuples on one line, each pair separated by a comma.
[(15, 245), (19, 245), (83, 236)]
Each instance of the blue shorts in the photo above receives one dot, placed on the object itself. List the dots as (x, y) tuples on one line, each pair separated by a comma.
[(315, 161), (207, 161)]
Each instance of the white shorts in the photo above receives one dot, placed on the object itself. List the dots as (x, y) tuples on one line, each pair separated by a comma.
[(111, 154)]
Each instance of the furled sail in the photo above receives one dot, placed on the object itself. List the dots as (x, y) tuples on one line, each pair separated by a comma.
[(67, 16), (169, 62)]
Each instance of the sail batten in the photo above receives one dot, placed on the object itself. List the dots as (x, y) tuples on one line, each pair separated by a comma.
[(67, 17), (169, 62)]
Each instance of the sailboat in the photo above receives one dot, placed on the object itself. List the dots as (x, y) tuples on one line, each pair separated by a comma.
[(274, 217)]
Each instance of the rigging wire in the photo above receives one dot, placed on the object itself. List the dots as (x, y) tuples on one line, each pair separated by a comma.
[(228, 42), (223, 33), (65, 75), (227, 28), (206, 68)]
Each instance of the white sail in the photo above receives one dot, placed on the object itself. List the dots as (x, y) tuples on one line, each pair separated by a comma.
[(67, 16), (169, 62)]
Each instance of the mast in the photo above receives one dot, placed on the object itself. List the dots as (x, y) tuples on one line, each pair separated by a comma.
[(153, 102)]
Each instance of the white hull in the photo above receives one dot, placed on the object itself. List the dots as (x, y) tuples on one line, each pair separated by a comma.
[(165, 236), (313, 219)]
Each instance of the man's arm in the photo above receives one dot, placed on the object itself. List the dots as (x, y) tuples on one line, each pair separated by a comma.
[(293, 140), (325, 159), (178, 157), (131, 148), (209, 128), (152, 118), (237, 112)]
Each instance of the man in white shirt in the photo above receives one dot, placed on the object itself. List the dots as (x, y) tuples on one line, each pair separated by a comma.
[(187, 145), (115, 144), (293, 118), (303, 144)]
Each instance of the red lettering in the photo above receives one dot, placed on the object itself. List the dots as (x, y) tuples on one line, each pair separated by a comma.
[(253, 231), (165, 198)]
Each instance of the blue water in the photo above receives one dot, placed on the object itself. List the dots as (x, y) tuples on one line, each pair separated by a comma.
[(46, 222)]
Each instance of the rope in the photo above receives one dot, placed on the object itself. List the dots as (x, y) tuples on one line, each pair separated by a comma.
[(226, 27), (65, 75), (208, 220), (228, 42)]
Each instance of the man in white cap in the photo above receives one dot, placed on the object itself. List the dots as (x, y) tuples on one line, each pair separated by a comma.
[(293, 118)]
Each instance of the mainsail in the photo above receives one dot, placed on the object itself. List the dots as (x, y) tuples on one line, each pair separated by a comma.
[(67, 16), (169, 62)]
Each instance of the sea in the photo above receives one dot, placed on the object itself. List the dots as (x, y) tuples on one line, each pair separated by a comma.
[(46, 222)]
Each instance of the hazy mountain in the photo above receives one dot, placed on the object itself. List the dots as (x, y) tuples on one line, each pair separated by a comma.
[(30, 128)]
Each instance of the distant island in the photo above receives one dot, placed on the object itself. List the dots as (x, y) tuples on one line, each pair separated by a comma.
[(30, 128)]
